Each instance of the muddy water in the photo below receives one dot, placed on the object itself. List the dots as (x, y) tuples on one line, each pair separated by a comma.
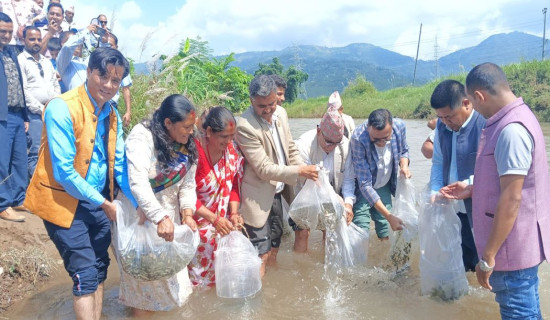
[(296, 289)]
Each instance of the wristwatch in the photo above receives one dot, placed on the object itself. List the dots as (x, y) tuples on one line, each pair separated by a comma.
[(484, 266)]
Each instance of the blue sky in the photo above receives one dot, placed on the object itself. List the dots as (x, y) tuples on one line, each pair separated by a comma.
[(147, 28)]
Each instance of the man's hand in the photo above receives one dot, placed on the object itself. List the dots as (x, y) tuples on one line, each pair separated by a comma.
[(237, 221), (53, 27), (165, 229), (458, 190), (395, 222), (308, 171), (110, 210), (483, 277), (349, 213), (92, 28), (26, 124), (126, 119), (405, 171)]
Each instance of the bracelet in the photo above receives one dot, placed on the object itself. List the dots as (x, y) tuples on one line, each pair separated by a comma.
[(216, 221)]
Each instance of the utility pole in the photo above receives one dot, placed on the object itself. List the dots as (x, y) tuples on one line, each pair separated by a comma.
[(417, 49), (436, 58), (544, 33)]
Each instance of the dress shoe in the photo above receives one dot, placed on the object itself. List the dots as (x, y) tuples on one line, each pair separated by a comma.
[(10, 215)]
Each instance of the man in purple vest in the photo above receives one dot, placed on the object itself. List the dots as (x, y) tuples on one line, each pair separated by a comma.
[(510, 195), (456, 139)]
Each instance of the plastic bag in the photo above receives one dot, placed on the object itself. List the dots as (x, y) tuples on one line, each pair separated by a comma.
[(316, 202), (237, 267), (142, 253), (351, 245), (441, 268)]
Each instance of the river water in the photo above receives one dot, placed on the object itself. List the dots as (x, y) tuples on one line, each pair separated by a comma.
[(296, 289)]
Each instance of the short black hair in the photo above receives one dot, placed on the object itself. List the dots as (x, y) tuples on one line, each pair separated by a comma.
[(486, 76), (279, 81), (5, 18), (111, 35), (53, 4), (27, 28), (54, 44), (448, 93), (101, 57), (379, 118)]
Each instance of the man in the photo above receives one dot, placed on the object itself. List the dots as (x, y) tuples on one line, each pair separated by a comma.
[(124, 85), (14, 176), (70, 65), (72, 189), (21, 12), (510, 202), (39, 84), (328, 145), (281, 88), (53, 29), (456, 138), (380, 153), (68, 23), (273, 165), (335, 101)]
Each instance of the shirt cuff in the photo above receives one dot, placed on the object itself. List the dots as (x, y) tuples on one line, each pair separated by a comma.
[(349, 200)]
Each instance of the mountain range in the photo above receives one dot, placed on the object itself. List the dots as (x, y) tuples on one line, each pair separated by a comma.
[(333, 68)]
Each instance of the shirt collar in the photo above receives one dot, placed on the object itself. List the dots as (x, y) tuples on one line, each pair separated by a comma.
[(464, 124), (274, 118), (28, 56)]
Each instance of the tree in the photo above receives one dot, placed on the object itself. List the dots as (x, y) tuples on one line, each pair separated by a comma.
[(293, 77)]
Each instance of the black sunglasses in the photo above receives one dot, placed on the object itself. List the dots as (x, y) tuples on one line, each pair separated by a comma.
[(103, 22), (40, 69)]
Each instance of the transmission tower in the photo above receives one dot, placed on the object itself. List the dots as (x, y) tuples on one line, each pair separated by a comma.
[(298, 65), (436, 58)]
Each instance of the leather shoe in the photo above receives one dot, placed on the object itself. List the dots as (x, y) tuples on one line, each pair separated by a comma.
[(10, 215), (20, 208)]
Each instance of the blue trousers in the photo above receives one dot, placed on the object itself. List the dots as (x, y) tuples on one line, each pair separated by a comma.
[(14, 176), (517, 293), (34, 134)]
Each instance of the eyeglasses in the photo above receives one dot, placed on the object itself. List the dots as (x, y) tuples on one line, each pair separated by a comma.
[(330, 143), (40, 69), (102, 22)]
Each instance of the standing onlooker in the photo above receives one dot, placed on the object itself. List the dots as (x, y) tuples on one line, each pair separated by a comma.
[(380, 153), (510, 195), (349, 125), (14, 175), (22, 13), (54, 46), (39, 84), (273, 165), (80, 166), (124, 86), (68, 23), (456, 139), (427, 148), (53, 28), (281, 88), (70, 64)]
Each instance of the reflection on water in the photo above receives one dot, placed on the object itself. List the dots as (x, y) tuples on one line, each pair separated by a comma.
[(296, 288)]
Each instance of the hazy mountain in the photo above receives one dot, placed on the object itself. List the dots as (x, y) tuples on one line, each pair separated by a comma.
[(331, 69)]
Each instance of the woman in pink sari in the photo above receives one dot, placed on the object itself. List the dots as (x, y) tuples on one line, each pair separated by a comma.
[(219, 173)]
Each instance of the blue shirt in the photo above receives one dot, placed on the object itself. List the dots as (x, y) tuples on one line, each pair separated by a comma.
[(365, 158), (72, 69), (61, 140)]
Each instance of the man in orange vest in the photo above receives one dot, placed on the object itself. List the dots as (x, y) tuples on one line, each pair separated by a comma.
[(80, 158)]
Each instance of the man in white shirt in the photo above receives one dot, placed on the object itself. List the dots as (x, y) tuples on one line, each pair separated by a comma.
[(39, 85), (328, 145)]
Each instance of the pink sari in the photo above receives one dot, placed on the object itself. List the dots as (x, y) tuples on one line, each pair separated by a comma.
[(216, 187)]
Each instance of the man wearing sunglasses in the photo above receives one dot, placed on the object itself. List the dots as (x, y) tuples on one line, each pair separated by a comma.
[(379, 153), (39, 85), (329, 145)]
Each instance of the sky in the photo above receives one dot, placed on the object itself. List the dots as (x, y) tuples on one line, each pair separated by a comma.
[(148, 28)]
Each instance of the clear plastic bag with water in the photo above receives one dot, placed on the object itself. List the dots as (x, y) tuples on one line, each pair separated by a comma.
[(351, 245), (442, 272), (237, 267), (142, 253)]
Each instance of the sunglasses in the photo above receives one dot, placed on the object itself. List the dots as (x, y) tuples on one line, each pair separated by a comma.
[(40, 69), (103, 22)]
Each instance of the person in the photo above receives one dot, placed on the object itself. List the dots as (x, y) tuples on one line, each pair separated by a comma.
[(70, 64), (328, 145), (335, 101), (124, 86), (273, 164), (219, 174), (456, 139), (68, 22), (21, 12), (380, 153), (39, 85), (427, 148), (81, 160), (53, 28), (162, 161), (281, 88), (13, 125), (509, 195), (54, 46)]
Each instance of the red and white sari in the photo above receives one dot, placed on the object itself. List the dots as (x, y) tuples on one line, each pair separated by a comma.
[(216, 186)]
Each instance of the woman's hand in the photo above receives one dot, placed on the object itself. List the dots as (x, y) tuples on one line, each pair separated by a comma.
[(190, 222), (237, 221), (165, 229), (222, 225)]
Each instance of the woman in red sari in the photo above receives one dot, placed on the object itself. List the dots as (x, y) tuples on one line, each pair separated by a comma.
[(219, 173)]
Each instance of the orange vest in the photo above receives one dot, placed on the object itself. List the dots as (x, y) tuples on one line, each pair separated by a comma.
[(46, 197)]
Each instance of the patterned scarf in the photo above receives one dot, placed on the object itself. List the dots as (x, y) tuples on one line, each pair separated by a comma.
[(177, 170)]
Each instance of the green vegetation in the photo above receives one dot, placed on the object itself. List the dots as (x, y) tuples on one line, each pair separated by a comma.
[(294, 78), (530, 80)]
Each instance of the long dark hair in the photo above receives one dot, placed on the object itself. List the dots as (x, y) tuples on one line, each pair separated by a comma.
[(217, 118), (176, 108)]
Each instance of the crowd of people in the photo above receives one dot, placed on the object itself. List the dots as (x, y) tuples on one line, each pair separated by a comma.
[(215, 173)]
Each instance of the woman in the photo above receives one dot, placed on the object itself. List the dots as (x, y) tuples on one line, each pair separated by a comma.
[(162, 158), (219, 174)]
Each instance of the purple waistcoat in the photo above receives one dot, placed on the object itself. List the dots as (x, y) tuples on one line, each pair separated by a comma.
[(528, 243)]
